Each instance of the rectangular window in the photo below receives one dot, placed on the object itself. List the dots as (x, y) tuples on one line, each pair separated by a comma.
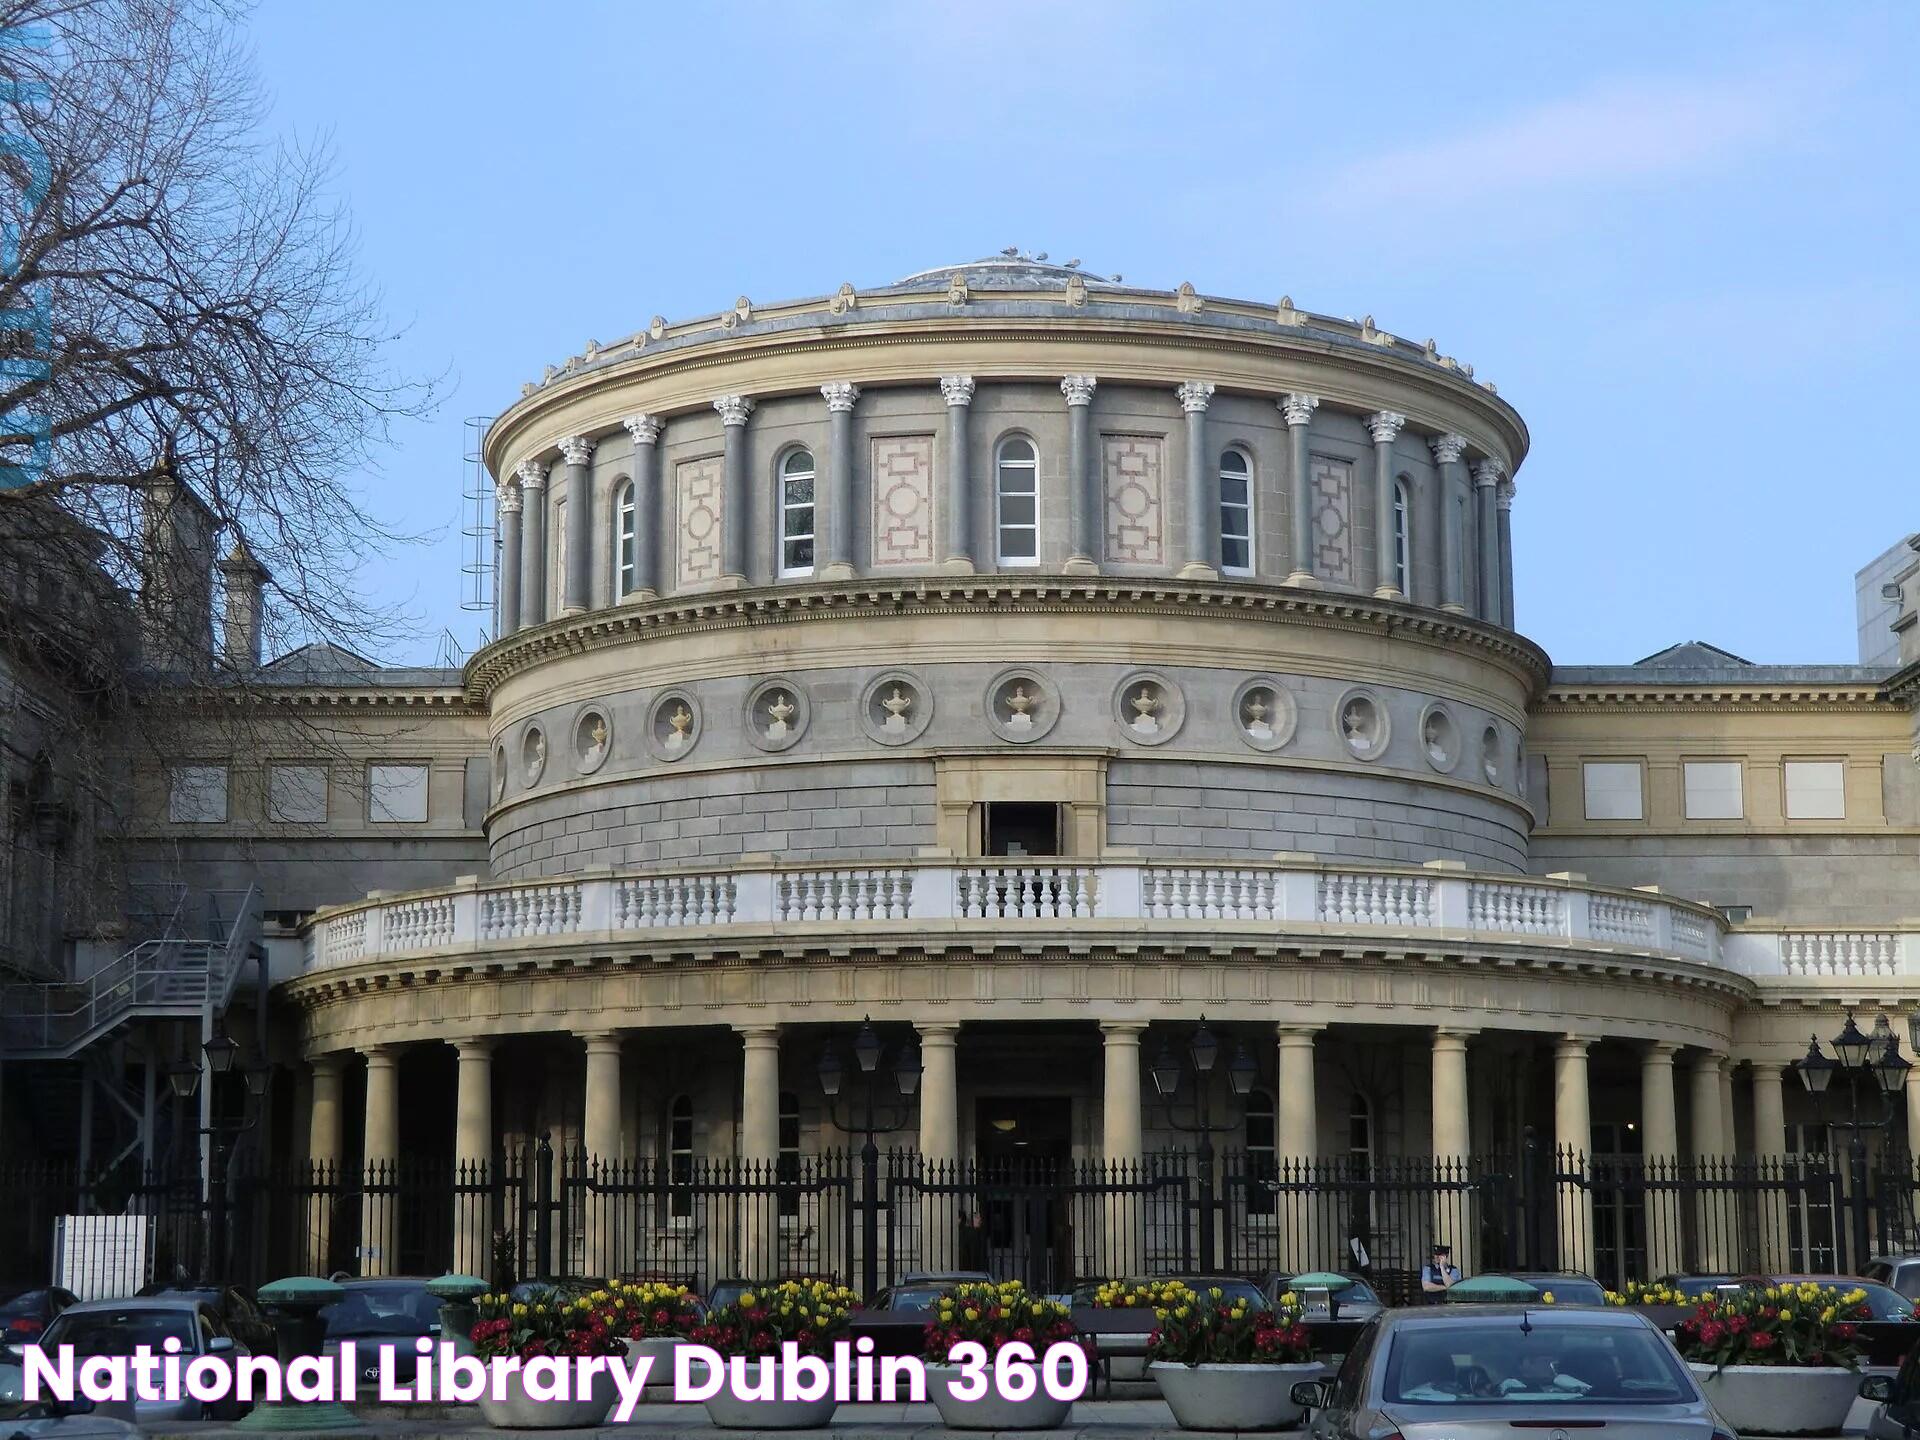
[(1017, 497), (396, 794), (1816, 790), (1236, 514), (197, 794), (297, 794), (1713, 790), (1612, 789)]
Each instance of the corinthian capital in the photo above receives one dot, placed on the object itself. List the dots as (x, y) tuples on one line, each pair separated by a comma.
[(1194, 395), (506, 496), (1298, 408), (957, 389), (840, 395), (1504, 494), (577, 449), (1488, 472), (533, 475), (1384, 426), (1078, 389), (645, 429), (1447, 449), (733, 409)]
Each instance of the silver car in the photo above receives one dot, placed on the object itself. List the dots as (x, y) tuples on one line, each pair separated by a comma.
[(119, 1327), (1475, 1372)]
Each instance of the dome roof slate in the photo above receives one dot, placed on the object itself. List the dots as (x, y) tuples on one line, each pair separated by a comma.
[(1011, 269)]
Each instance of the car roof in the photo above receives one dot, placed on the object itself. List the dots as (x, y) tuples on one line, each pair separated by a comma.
[(137, 1302), (1536, 1315)]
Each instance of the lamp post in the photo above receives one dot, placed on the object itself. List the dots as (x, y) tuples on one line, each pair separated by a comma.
[(1870, 1062), (1203, 1053), (183, 1079), (873, 1119)]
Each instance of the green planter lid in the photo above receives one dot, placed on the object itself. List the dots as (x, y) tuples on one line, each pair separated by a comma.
[(1320, 1280), (457, 1287), (1493, 1287), (300, 1290)]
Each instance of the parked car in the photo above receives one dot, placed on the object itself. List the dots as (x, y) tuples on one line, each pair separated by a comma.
[(1695, 1286), (1568, 1287), (921, 1288), (73, 1420), (1896, 1415), (1473, 1374), (1902, 1272), (1885, 1302), (243, 1318), (119, 1327), (380, 1315), (1231, 1287), (25, 1313), (1359, 1301)]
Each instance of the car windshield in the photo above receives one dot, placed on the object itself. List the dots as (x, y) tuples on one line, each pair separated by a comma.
[(120, 1332), (1359, 1292), (1229, 1287), (382, 1310), (1495, 1362), (1569, 1289), (916, 1297)]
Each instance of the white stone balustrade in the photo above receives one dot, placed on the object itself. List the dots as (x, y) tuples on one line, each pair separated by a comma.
[(1285, 896)]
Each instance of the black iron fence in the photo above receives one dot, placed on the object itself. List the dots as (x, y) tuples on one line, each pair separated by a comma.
[(538, 1213)]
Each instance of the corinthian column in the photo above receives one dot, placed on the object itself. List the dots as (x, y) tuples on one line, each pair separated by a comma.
[(473, 1157), (1083, 476), (577, 584), (1299, 412), (1486, 480), (533, 544), (1573, 1138), (1660, 1154), (1505, 493), (1202, 558), (1384, 426), (506, 498), (1447, 450), (645, 430), (840, 396), (957, 391), (735, 500), (380, 1217)]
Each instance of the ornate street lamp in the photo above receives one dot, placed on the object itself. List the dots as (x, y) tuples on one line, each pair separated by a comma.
[(1203, 1053), (1869, 1063), (873, 1119)]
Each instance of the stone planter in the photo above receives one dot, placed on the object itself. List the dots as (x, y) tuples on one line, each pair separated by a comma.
[(659, 1349), (1779, 1399), (1232, 1397), (992, 1411), (517, 1411), (729, 1412)]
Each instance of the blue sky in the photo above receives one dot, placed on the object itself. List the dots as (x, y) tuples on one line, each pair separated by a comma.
[(1679, 238)]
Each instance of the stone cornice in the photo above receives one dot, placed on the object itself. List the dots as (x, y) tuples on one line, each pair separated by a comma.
[(988, 594), (1682, 699), (811, 329), (212, 699)]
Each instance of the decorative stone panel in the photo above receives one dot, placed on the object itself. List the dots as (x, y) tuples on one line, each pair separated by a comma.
[(896, 708), (533, 755), (776, 715), (902, 500), (1264, 713), (698, 484), (1134, 467), (673, 725), (592, 739), (1022, 706), (1332, 500), (1149, 708)]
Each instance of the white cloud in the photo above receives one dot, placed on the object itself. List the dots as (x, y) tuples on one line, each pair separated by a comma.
[(1618, 133)]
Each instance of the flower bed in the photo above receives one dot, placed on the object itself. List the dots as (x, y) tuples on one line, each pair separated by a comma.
[(981, 1332), (809, 1314), (1777, 1361), (650, 1310), (547, 1324), (1227, 1365), (1648, 1292), (1140, 1294)]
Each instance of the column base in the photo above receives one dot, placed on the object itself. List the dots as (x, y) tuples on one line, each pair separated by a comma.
[(1454, 609), (838, 570), (635, 597), (567, 612), (1196, 570), (1303, 579), (729, 582), (1079, 565), (1388, 592), (958, 565)]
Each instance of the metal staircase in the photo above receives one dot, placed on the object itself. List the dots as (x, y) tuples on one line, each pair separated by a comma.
[(170, 978)]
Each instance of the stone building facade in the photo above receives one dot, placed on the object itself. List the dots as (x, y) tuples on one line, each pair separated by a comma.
[(1035, 664)]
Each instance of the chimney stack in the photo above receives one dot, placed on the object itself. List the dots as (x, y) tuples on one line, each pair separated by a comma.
[(176, 591), (246, 579)]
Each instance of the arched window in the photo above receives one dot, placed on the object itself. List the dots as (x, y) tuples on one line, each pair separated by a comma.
[(1402, 552), (1262, 1159), (680, 1155), (626, 541), (1017, 501), (1236, 513), (796, 513), (787, 1164)]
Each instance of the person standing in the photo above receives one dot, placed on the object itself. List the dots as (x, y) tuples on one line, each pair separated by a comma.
[(1439, 1274)]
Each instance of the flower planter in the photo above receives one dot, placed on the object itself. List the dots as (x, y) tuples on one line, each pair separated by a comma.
[(519, 1411), (729, 1412), (992, 1411), (659, 1349), (1232, 1397), (1779, 1399)]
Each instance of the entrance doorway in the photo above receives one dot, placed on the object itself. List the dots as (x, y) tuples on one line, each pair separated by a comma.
[(1020, 827), (1023, 1174)]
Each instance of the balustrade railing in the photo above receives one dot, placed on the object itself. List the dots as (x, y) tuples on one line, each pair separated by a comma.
[(1277, 895)]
